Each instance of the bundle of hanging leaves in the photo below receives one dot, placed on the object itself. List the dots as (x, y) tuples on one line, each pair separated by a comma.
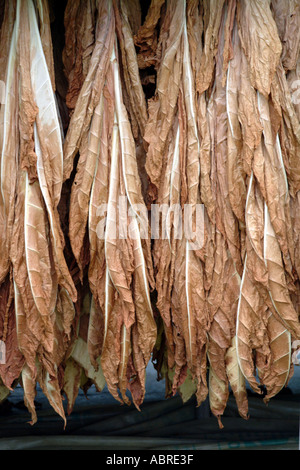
[(197, 105)]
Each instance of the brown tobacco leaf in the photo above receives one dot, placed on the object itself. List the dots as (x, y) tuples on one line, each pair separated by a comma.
[(277, 281), (64, 278), (29, 387), (251, 315), (212, 20), (230, 24), (289, 146), (185, 317), (289, 131), (276, 187), (253, 302), (197, 298), (226, 221), (118, 252), (213, 14), (249, 321), (110, 357), (47, 126), (119, 266), (236, 379), (248, 115), (27, 317), (146, 38), (222, 300), (125, 352), (205, 163), (136, 370), (6, 31), (81, 355), (127, 264), (164, 252), (51, 390), (145, 323), (235, 171), (132, 183), (116, 352), (79, 20), (95, 332), (194, 27), (287, 19), (81, 187), (260, 42), (8, 140), (194, 21), (46, 38), (48, 147), (80, 352), (179, 357), (64, 329), (296, 229), (11, 368), (35, 334), (182, 123), (27, 201), (28, 108), (69, 51), (192, 315), (209, 245), (71, 382), (278, 365), (130, 66), (218, 395), (162, 107), (35, 242), (188, 317), (6, 34), (192, 139), (66, 311), (98, 199), (38, 259), (29, 372), (254, 216), (293, 84), (134, 15), (92, 86)]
